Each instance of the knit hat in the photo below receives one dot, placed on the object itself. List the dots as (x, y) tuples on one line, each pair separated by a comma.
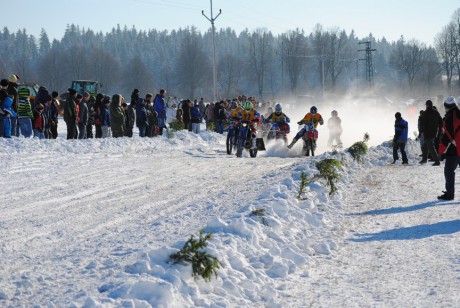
[(4, 82), (72, 91), (13, 78), (24, 92), (54, 94), (450, 102), (398, 115)]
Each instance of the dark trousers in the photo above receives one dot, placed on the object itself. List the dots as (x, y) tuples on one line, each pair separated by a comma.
[(53, 130), (429, 149), (98, 131), (402, 147), (71, 130), (89, 131), (449, 173)]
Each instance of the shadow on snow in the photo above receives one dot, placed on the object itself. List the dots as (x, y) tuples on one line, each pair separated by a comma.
[(411, 233), (397, 210)]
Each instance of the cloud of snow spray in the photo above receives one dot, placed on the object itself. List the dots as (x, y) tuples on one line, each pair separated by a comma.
[(359, 116)]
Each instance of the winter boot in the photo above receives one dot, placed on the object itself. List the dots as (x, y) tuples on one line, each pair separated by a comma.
[(292, 143)]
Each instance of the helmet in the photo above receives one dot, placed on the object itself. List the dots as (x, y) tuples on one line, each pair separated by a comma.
[(278, 108), (313, 110), (334, 113), (247, 106)]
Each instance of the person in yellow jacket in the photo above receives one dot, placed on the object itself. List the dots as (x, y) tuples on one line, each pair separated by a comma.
[(312, 116)]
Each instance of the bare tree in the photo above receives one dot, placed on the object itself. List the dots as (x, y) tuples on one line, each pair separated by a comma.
[(104, 68), (338, 54), (229, 74), (408, 58), (293, 51), (136, 76), (51, 71), (445, 48), (192, 64), (260, 56), (320, 46)]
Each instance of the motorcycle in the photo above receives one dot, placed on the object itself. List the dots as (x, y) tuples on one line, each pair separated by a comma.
[(309, 139), (248, 140), (278, 131), (232, 136)]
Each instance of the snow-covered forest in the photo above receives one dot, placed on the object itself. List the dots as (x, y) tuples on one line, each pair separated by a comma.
[(257, 63)]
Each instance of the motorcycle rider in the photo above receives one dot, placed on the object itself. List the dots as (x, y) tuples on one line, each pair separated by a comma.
[(335, 129), (278, 116), (312, 116)]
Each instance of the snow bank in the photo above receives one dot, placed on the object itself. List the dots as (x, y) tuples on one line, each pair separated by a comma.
[(256, 255)]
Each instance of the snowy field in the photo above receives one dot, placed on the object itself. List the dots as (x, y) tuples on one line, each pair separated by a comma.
[(91, 223)]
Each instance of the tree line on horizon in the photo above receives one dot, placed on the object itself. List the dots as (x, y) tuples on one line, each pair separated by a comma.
[(323, 62)]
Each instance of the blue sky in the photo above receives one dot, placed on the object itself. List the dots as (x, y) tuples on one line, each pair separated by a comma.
[(419, 19)]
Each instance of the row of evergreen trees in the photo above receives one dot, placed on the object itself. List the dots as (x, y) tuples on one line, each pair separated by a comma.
[(255, 63)]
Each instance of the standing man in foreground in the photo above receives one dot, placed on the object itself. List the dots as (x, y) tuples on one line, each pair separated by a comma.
[(449, 148), (160, 107), (400, 138)]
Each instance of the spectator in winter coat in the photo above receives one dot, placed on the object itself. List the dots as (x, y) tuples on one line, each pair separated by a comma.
[(201, 106), (219, 116), (130, 118), (70, 114), (41, 96), (54, 114), (83, 116), (430, 127), (117, 116), (209, 114), (449, 147), (13, 92), (39, 121), (47, 114), (400, 138), (171, 113), (98, 114), (186, 114), (160, 108), (8, 115), (3, 95), (105, 118), (142, 116), (91, 116), (25, 115), (196, 118)]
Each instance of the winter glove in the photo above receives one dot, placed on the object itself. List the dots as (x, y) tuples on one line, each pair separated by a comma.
[(300, 123)]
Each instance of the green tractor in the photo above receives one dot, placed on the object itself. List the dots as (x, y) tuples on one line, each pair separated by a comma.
[(82, 86)]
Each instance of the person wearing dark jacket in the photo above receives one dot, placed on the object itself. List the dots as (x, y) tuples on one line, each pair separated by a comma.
[(70, 114), (54, 114), (39, 121), (99, 114), (3, 95), (186, 114), (160, 108), (449, 147), (400, 138), (131, 114), (83, 116), (196, 118), (117, 116), (142, 115), (91, 117), (430, 127), (13, 92)]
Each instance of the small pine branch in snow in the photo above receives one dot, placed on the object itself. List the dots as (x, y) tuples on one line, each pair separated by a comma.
[(203, 264), (211, 127), (176, 125), (328, 169), (170, 133), (261, 214), (359, 149), (303, 184)]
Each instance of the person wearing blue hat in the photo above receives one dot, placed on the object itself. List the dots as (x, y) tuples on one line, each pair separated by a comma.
[(9, 115)]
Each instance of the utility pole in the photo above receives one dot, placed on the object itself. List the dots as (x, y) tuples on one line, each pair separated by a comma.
[(369, 66), (214, 69)]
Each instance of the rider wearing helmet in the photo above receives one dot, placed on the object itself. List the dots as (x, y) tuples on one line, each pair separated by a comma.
[(314, 117), (334, 124), (249, 115), (235, 111), (278, 116)]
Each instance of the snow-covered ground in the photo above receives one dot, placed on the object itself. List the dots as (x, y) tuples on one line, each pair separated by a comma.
[(92, 223)]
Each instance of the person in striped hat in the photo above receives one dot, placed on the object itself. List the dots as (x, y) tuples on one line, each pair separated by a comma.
[(25, 114)]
